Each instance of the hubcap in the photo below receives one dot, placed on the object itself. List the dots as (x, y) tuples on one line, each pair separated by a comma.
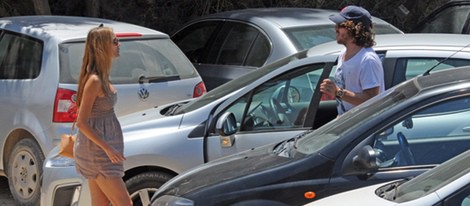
[(25, 174)]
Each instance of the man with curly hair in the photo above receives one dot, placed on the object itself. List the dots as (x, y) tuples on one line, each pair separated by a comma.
[(359, 74)]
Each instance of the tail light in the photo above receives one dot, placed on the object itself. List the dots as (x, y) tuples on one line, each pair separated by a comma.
[(65, 109), (199, 89)]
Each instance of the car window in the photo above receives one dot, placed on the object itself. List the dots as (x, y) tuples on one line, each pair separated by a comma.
[(460, 198), (193, 39), (385, 29), (280, 103), (233, 86), (145, 57), (20, 57), (307, 37), (259, 52), (429, 136), (417, 66), (239, 39), (451, 20)]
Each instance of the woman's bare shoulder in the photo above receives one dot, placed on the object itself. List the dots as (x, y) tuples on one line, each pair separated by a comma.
[(93, 80)]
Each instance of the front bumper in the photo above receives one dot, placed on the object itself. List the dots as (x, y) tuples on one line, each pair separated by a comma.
[(61, 184)]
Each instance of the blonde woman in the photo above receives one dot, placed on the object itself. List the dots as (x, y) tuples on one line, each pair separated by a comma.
[(99, 145)]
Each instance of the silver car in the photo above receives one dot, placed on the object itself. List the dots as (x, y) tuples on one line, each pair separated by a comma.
[(226, 45), (270, 104), (40, 60)]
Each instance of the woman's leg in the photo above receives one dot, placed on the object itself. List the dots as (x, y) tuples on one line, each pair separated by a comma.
[(115, 189), (98, 198)]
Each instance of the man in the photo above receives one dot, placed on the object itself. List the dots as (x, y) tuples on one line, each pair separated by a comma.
[(359, 75)]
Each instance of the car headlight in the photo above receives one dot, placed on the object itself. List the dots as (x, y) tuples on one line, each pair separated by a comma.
[(167, 200), (59, 161)]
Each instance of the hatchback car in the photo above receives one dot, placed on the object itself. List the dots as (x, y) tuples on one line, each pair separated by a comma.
[(226, 45), (271, 104), (40, 60), (447, 184), (400, 133)]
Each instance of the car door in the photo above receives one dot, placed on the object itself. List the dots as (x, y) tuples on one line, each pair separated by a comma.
[(429, 133), (403, 64), (276, 110)]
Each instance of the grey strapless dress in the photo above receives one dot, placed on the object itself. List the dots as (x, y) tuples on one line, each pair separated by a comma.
[(91, 161)]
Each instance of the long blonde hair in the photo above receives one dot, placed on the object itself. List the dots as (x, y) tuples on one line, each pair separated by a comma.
[(97, 58)]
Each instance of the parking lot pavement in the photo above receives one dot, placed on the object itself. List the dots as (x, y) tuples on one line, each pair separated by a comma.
[(5, 195)]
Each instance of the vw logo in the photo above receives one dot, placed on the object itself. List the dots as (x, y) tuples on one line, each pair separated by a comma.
[(143, 94)]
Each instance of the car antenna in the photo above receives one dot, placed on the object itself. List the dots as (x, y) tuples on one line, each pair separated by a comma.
[(440, 62)]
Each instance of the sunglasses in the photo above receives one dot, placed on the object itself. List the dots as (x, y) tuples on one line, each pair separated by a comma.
[(341, 25), (115, 41)]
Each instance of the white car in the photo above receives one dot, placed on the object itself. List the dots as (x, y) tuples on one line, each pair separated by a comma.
[(445, 185), (40, 60)]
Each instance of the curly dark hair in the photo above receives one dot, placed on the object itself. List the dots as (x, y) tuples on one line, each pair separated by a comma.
[(363, 35)]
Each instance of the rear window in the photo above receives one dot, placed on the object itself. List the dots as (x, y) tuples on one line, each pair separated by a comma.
[(144, 57), (308, 37)]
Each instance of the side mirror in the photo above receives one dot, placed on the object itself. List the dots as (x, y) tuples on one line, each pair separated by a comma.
[(365, 159), (226, 126)]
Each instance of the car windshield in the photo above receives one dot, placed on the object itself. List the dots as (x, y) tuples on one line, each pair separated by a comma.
[(434, 179), (335, 129), (158, 58), (308, 37), (241, 82)]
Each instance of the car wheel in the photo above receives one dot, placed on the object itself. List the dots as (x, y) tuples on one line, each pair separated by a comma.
[(25, 172), (142, 186)]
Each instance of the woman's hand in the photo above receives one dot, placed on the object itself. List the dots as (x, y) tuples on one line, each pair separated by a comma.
[(114, 155)]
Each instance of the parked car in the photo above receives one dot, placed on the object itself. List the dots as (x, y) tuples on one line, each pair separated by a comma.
[(398, 134), (40, 60), (271, 104), (447, 184), (451, 17), (226, 45)]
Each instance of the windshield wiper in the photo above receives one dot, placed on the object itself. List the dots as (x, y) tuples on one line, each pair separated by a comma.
[(173, 109), (287, 147), (390, 192), (154, 79)]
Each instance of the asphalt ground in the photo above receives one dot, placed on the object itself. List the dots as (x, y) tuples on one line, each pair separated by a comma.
[(5, 195)]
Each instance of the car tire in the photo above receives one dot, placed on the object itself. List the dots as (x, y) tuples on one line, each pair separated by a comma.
[(25, 172), (142, 186)]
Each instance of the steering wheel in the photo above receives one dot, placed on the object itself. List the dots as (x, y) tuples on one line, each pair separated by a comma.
[(404, 156), (278, 110)]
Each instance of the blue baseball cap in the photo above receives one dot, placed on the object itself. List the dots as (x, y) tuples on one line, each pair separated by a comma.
[(353, 13)]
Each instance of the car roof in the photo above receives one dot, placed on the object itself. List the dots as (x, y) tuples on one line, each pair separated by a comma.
[(426, 41), (68, 27), (282, 17)]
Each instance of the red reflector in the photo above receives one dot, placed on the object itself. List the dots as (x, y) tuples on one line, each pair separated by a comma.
[(65, 109), (127, 34), (199, 89)]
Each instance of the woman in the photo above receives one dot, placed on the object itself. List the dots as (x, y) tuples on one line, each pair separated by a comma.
[(99, 146)]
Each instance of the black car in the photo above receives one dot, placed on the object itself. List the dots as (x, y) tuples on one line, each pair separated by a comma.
[(401, 133), (451, 17)]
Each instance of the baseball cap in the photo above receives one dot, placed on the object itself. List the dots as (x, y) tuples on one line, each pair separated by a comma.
[(353, 13)]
